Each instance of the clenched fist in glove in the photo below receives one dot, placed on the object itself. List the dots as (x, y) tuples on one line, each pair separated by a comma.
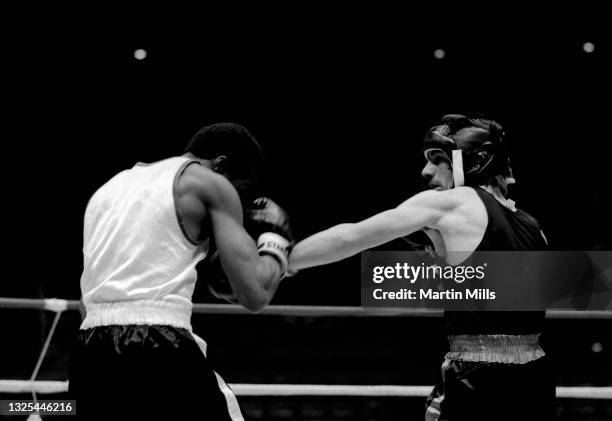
[(269, 225)]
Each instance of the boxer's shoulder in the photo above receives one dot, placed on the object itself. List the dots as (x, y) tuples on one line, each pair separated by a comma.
[(199, 191), (445, 200), (467, 216), (462, 199), (205, 184), (450, 208), (195, 176)]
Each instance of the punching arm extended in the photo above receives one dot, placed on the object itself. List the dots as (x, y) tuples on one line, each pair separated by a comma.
[(344, 240)]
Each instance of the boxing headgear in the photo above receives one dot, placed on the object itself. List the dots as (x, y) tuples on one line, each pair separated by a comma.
[(474, 147)]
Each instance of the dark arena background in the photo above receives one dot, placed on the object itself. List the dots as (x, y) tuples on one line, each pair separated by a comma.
[(340, 101)]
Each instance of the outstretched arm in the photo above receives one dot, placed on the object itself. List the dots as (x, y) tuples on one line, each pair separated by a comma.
[(341, 241)]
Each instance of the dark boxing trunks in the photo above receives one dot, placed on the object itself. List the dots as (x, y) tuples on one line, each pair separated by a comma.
[(493, 377), (123, 372), (492, 391)]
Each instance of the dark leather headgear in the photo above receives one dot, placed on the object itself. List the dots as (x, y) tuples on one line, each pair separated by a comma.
[(474, 146)]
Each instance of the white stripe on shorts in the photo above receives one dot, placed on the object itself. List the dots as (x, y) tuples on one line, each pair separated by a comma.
[(232, 403)]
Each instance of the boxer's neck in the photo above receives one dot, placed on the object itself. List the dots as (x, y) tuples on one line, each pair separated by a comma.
[(204, 162), (499, 196)]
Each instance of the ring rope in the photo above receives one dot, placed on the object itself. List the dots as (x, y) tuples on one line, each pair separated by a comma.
[(55, 304), (251, 389), (43, 352), (59, 305)]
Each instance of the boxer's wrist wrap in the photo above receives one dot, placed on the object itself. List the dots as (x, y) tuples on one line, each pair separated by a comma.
[(276, 246)]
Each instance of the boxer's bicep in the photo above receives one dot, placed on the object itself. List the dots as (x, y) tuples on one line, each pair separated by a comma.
[(249, 274)]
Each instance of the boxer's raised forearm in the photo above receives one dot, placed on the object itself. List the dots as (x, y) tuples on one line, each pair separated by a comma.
[(253, 277)]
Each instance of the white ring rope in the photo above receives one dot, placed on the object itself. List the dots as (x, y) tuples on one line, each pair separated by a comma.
[(250, 389), (59, 305), (55, 304), (44, 350)]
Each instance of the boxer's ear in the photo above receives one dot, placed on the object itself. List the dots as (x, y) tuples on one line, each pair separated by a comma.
[(220, 164)]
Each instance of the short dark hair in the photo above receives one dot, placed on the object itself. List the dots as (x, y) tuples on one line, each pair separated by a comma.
[(231, 140)]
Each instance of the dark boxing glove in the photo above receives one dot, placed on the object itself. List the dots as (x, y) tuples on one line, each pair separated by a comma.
[(268, 223)]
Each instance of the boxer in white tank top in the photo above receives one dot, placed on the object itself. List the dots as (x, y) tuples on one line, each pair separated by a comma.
[(145, 231)]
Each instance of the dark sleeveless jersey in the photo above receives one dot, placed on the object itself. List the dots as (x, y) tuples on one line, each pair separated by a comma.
[(506, 231)]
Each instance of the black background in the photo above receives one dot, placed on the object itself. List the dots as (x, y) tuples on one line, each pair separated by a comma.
[(340, 100)]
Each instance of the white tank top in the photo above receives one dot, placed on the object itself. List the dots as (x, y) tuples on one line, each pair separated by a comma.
[(139, 266)]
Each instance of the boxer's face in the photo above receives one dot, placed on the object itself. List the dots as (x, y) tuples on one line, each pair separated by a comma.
[(248, 185), (438, 171), (246, 179)]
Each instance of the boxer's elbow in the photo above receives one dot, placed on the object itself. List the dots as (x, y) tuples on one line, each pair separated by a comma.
[(256, 300), (257, 296), (257, 307)]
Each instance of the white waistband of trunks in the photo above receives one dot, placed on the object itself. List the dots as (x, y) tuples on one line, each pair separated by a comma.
[(509, 349), (138, 312)]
